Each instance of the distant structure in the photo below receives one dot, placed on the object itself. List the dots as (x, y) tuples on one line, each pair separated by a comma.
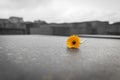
[(114, 29), (16, 19), (91, 27), (3, 23), (13, 25), (40, 22), (99, 27), (4, 20), (16, 25)]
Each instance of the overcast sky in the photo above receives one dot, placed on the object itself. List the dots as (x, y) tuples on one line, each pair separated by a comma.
[(62, 10)]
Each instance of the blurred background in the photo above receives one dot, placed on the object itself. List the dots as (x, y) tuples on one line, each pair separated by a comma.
[(60, 17), (16, 25)]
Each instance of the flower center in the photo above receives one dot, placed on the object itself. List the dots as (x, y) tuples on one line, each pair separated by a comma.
[(73, 42)]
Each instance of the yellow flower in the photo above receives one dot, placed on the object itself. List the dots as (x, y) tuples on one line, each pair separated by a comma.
[(73, 41)]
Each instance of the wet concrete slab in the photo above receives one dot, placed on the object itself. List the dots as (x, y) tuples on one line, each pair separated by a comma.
[(37, 57)]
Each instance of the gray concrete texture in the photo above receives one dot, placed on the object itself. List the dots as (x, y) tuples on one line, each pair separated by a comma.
[(37, 57)]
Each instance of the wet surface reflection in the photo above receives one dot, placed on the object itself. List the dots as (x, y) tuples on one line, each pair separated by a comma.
[(37, 57)]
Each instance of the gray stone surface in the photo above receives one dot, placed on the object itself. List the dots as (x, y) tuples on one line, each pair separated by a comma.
[(35, 57), (102, 36)]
